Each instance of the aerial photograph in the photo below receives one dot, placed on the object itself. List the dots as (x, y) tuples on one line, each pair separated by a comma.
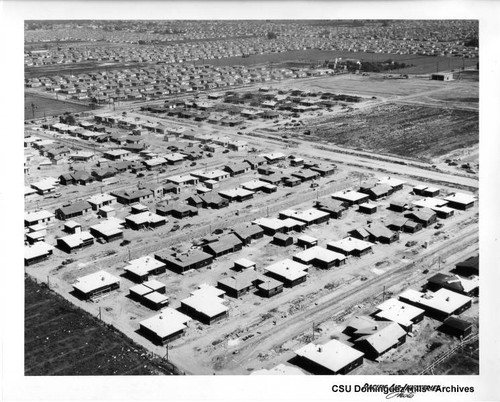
[(251, 197)]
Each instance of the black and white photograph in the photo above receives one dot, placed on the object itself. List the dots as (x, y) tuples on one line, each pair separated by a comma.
[(225, 197)]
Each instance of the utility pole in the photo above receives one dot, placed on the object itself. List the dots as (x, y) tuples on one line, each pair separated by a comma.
[(99, 315), (166, 354), (128, 248), (383, 294), (48, 281)]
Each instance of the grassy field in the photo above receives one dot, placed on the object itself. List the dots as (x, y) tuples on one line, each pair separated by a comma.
[(48, 107), (420, 132), (61, 339)]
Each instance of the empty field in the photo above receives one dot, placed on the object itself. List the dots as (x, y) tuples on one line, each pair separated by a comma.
[(419, 132), (61, 339), (48, 107)]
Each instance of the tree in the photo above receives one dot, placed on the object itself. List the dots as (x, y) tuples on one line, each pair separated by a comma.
[(271, 35), (70, 119)]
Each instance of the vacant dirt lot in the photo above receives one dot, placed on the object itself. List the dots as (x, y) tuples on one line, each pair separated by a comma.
[(61, 339), (48, 107), (406, 130)]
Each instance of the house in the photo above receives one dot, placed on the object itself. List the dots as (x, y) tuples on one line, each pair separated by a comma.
[(100, 200), (291, 224), (214, 201), (243, 264), (360, 234), (205, 305), (266, 170), (104, 173), (236, 169), (335, 208), (280, 369), (217, 175), (177, 210), (367, 208), (350, 246), (138, 209), (181, 263), (274, 157), (310, 216), (258, 185), (320, 257), (38, 217), (379, 191), (248, 233), (378, 339), (306, 175), (274, 179), (332, 358), (175, 158), (255, 161), (240, 284), (132, 196), (426, 191), (380, 233), (78, 208), (439, 305), (165, 327), (291, 273), (43, 187), (351, 197), (437, 205), (392, 182), (145, 220), (456, 327), (283, 240), (116, 154), (183, 180), (411, 226), (468, 267), (82, 177), (72, 227), (141, 268), (324, 170), (404, 314), (269, 287), (398, 206), (460, 201), (39, 251), (424, 216), (465, 286), (306, 241), (396, 223), (270, 226), (109, 230), (75, 241), (291, 181), (95, 284), (195, 201), (237, 194), (226, 244)]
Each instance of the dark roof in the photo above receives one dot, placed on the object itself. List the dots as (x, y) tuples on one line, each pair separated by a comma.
[(472, 262), (213, 198), (224, 243), (183, 260), (176, 207), (282, 236), (331, 205), (378, 230), (305, 174), (131, 194), (381, 189), (456, 323), (244, 232), (76, 207), (240, 281), (269, 283), (237, 167), (423, 214)]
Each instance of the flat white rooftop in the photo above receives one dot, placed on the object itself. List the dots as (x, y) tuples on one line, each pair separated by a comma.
[(280, 369), (431, 203), (397, 311), (319, 253), (38, 215), (288, 269), (37, 250), (333, 355), (443, 300), (350, 243), (349, 195), (391, 181), (100, 198), (97, 280), (167, 323), (460, 198)]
